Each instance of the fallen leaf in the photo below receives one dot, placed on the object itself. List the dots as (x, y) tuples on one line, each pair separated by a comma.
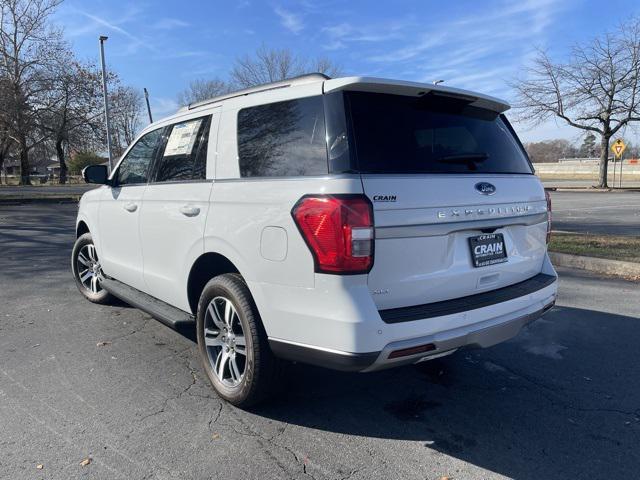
[(215, 436), (39, 466), (102, 344), (85, 462)]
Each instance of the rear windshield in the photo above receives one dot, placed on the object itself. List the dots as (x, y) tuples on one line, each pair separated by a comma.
[(429, 134)]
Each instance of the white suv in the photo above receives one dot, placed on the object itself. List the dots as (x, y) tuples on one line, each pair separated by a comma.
[(353, 223)]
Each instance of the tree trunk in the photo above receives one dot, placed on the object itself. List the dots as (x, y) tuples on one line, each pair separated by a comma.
[(25, 178), (604, 160), (63, 165)]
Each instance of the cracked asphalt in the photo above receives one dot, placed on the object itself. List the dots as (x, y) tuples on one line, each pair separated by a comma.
[(111, 384)]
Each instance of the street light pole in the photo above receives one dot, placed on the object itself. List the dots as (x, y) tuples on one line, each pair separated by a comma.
[(146, 97), (106, 101)]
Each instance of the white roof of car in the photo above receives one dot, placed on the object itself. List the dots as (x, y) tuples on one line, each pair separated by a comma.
[(366, 84)]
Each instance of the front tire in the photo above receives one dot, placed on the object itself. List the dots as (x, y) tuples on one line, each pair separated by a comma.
[(87, 272), (233, 343)]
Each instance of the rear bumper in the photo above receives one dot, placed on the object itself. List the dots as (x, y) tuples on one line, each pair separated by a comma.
[(480, 324), (337, 325), (479, 335), (482, 335)]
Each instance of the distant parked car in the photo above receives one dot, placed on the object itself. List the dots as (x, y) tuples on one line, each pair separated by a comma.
[(352, 223)]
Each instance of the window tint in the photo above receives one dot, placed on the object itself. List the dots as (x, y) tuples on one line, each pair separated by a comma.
[(185, 152), (431, 134), (283, 139), (135, 166)]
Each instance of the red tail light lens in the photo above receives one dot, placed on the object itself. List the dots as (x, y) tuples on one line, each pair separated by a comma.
[(548, 197), (338, 230)]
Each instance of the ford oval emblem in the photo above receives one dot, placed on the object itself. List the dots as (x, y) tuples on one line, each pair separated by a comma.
[(485, 188)]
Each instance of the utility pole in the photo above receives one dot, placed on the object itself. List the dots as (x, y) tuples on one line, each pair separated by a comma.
[(106, 101), (146, 97)]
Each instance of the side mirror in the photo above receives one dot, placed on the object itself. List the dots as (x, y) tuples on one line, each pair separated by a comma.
[(96, 174)]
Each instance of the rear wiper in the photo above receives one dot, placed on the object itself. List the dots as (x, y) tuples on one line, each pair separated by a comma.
[(463, 158)]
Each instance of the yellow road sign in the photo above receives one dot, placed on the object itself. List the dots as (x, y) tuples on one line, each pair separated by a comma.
[(618, 148)]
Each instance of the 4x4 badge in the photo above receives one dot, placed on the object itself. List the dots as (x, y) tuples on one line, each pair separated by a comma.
[(485, 188)]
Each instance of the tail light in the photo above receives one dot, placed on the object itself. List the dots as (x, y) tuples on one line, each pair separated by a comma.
[(548, 197), (338, 230)]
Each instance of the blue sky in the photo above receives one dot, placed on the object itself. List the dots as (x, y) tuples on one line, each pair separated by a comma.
[(479, 45)]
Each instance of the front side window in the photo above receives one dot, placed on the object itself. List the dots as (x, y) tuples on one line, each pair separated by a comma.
[(430, 134), (185, 154), (134, 168), (283, 139)]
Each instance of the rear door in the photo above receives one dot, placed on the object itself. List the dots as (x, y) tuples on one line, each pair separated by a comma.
[(176, 203), (119, 215), (457, 209)]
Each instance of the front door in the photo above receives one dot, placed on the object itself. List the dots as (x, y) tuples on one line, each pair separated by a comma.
[(118, 219)]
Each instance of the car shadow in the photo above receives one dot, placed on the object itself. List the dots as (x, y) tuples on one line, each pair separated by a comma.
[(562, 400)]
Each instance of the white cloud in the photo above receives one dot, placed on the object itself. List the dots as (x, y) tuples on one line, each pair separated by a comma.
[(162, 107), (339, 35), (481, 50), (169, 24), (135, 42), (290, 20)]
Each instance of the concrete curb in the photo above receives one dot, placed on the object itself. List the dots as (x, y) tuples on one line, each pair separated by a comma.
[(618, 268), (18, 200)]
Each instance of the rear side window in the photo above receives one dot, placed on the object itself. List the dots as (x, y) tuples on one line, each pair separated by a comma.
[(134, 168), (283, 139), (185, 153), (430, 134)]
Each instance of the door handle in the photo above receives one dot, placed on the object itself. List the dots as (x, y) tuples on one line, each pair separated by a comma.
[(189, 210), (130, 207)]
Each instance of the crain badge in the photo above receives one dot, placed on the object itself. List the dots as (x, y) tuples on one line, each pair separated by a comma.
[(485, 188), (384, 198)]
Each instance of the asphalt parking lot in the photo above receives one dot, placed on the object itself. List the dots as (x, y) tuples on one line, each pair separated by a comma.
[(109, 383), (29, 190), (609, 213)]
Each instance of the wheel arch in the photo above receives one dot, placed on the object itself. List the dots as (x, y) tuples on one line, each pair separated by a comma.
[(206, 266), (81, 228)]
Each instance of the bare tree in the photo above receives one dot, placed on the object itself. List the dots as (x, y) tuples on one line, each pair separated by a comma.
[(550, 151), (597, 89), (271, 65), (199, 90), (126, 109), (27, 43), (74, 109), (6, 142)]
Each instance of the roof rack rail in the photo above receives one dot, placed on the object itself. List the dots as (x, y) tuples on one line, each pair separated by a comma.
[(299, 80)]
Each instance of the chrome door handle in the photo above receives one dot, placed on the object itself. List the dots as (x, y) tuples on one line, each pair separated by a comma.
[(130, 207), (189, 210)]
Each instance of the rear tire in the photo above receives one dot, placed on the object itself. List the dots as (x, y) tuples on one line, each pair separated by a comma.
[(87, 272), (233, 343)]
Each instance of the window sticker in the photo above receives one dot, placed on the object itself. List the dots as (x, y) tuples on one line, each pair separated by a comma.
[(183, 138)]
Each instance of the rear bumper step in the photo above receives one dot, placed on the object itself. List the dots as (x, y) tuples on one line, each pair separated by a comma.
[(471, 302)]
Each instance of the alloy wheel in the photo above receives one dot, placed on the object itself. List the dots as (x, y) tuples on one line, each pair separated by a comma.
[(225, 341), (88, 268)]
